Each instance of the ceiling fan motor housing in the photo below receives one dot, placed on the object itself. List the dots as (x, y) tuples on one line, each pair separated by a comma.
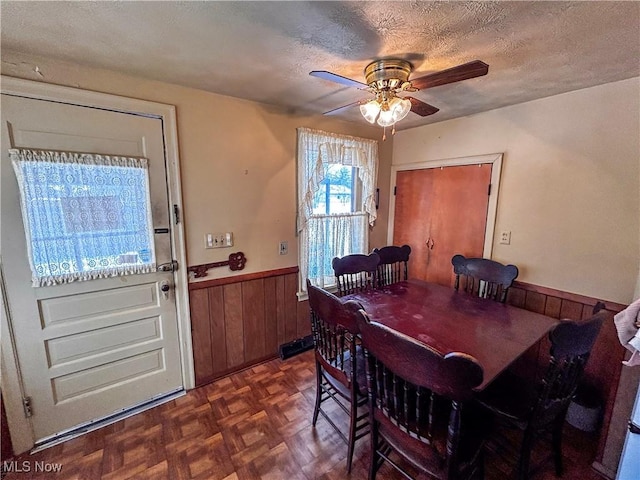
[(387, 74)]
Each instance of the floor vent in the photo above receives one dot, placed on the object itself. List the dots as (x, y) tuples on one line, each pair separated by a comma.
[(288, 350)]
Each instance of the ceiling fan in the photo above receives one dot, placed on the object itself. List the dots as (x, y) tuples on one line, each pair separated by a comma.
[(387, 78)]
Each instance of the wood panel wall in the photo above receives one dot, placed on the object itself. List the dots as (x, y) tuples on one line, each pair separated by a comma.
[(604, 366), (240, 321)]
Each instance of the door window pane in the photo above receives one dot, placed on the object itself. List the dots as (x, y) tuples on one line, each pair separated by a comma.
[(85, 216)]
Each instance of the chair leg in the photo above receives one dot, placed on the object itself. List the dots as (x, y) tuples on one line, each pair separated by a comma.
[(316, 409), (525, 455), (374, 464), (352, 428), (557, 445), (480, 466)]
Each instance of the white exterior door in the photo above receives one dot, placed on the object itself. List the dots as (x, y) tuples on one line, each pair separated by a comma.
[(88, 349), (629, 468)]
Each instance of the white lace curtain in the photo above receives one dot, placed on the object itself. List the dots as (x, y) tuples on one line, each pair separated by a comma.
[(323, 237), (326, 237), (317, 150), (85, 216)]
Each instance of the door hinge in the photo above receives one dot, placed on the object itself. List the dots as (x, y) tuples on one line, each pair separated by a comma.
[(176, 213), (395, 189), (489, 190), (28, 408)]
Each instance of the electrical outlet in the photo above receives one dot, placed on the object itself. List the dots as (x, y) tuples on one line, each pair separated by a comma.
[(505, 237), (284, 248)]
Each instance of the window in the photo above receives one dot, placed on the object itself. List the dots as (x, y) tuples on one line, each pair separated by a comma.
[(336, 200), (85, 216)]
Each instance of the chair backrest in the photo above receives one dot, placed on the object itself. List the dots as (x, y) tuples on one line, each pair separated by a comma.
[(356, 272), (334, 327), (405, 378), (571, 344), (483, 277), (393, 266)]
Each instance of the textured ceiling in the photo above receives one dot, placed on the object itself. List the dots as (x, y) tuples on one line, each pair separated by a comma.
[(264, 51)]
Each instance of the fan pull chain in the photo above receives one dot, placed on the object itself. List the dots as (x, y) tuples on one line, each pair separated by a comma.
[(384, 133)]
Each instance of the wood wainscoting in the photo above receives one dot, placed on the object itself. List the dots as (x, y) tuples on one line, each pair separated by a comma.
[(605, 363), (240, 321)]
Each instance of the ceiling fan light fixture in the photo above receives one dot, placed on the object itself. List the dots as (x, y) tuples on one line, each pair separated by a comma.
[(370, 111), (388, 77), (400, 108)]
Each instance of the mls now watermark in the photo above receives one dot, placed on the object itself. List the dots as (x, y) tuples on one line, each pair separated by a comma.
[(28, 466)]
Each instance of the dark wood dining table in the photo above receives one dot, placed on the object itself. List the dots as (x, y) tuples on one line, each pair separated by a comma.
[(447, 320)]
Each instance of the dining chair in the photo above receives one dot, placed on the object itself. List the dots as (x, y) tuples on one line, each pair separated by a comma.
[(356, 272), (393, 266), (483, 277), (419, 406), (340, 373), (541, 409)]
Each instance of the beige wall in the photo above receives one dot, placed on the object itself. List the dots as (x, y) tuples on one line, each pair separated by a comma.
[(237, 161), (570, 184), (569, 190)]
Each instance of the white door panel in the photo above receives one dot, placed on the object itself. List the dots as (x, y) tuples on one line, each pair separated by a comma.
[(88, 348)]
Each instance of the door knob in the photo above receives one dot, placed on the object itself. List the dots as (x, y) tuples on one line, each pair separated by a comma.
[(164, 288)]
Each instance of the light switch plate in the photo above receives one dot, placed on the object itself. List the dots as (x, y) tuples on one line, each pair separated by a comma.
[(218, 240)]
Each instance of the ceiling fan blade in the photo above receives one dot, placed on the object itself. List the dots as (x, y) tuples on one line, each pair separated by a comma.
[(344, 107), (451, 75), (421, 108), (333, 77)]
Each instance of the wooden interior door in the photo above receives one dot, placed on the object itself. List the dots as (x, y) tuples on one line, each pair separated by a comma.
[(440, 212)]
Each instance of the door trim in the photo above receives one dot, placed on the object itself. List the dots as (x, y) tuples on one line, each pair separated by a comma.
[(495, 159), (10, 383)]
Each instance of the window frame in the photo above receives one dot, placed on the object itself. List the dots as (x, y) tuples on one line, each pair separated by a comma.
[(316, 151)]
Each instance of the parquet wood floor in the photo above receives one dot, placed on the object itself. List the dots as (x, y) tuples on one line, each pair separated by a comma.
[(254, 424)]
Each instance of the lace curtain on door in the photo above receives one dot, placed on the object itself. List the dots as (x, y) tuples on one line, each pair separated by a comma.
[(85, 216)]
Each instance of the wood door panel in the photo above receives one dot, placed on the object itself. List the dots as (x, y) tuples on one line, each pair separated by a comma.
[(440, 212), (414, 191), (459, 214)]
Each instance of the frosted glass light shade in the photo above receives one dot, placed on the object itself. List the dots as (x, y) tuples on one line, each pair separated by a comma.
[(370, 111), (386, 118), (400, 108)]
